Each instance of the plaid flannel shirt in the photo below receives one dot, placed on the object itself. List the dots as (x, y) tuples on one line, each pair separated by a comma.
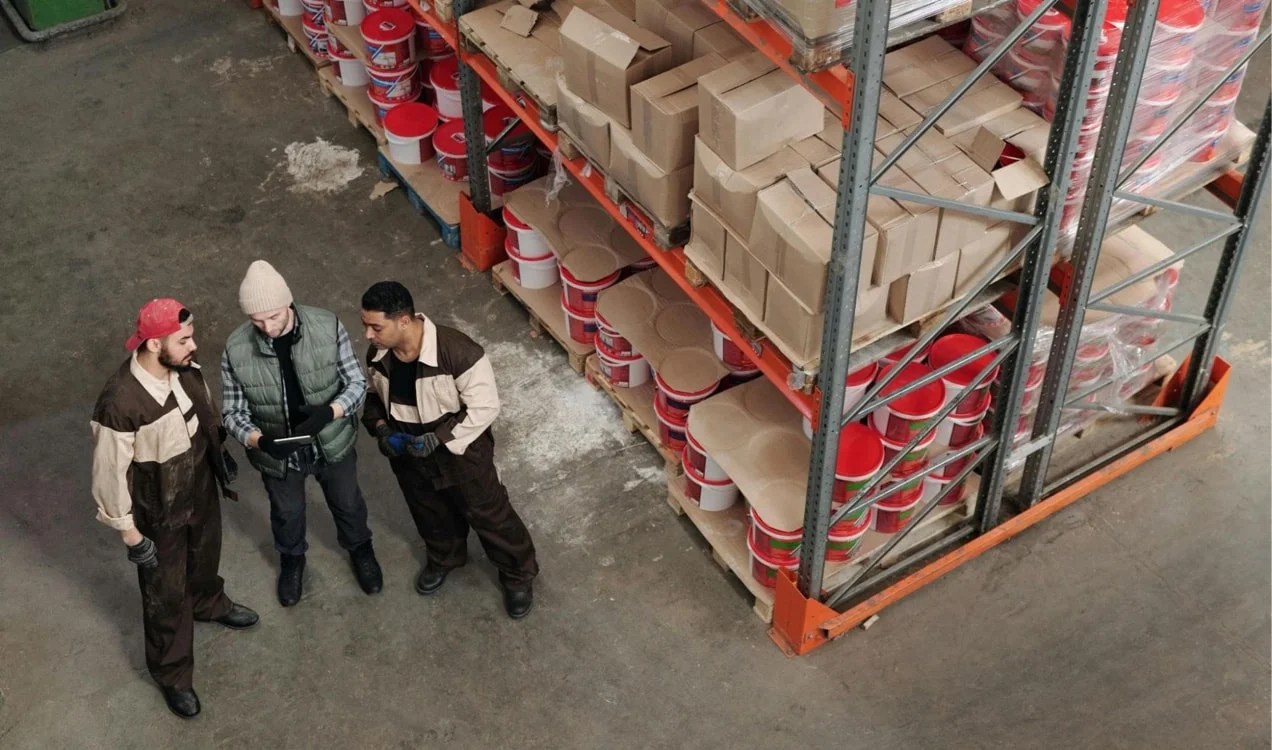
[(237, 412)]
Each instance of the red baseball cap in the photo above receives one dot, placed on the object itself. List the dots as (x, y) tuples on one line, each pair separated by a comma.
[(156, 319)]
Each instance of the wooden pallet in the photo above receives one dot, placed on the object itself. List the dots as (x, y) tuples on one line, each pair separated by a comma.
[(295, 35), (637, 406), (643, 221), (517, 86), (428, 192), (725, 534), (544, 308), (356, 103)]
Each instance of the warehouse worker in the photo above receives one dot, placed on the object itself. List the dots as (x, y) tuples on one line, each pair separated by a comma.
[(158, 462), (290, 371), (432, 401)]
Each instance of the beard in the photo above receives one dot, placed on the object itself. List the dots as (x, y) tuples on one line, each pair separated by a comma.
[(167, 361)]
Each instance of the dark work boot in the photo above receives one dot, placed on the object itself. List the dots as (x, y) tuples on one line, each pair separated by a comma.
[(290, 579), (430, 579), (238, 618), (518, 602), (366, 568), (183, 703)]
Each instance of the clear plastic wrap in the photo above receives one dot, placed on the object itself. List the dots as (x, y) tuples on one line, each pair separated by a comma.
[(821, 30)]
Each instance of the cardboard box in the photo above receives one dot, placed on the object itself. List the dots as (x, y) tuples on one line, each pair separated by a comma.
[(587, 241), (818, 18), (745, 277), (987, 99), (666, 327), (978, 257), (731, 193), (665, 195), (896, 114), (923, 64), (791, 234), (826, 145), (956, 228), (923, 290), (677, 23), (603, 54), (1016, 183), (907, 230), (797, 332), (706, 245), (748, 110), (720, 39), (588, 126), (665, 113)]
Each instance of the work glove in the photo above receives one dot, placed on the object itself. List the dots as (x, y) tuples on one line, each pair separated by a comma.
[(315, 418), (391, 443), (143, 554), (423, 445), (280, 452)]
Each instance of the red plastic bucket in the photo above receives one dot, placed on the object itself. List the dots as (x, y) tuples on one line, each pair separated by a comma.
[(344, 12), (913, 461), (697, 457), (401, 85), (958, 431), (676, 403), (728, 352), (444, 75), (952, 347), (502, 182), (516, 149), (843, 542), (894, 512), (430, 43), (671, 431), (529, 242), (773, 543), (452, 150), (390, 38), (934, 485), (611, 338), (622, 370), (409, 131), (763, 567), (581, 295), (315, 33), (532, 273), (978, 432), (582, 325), (860, 456), (707, 494), (382, 107), (907, 416)]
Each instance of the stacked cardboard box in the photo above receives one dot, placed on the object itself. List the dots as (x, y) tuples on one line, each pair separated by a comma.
[(762, 222), (629, 95)]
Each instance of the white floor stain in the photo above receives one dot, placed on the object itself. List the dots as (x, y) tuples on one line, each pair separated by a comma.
[(320, 167)]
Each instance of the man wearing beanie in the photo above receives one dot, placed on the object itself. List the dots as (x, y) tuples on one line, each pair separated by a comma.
[(290, 371), (432, 402), (158, 463)]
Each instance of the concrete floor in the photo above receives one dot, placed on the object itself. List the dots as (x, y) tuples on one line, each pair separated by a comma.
[(146, 159)]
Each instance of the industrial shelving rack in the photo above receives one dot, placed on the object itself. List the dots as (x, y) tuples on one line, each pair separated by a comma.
[(805, 616)]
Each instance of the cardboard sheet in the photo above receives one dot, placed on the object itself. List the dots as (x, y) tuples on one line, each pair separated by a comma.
[(585, 238)]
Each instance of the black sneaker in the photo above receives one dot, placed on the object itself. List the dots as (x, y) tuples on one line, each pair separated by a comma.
[(366, 568), (291, 577)]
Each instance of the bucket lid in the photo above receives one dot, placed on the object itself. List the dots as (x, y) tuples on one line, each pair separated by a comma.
[(514, 222), (922, 402), (387, 26), (667, 389), (411, 120), (860, 452), (449, 139), (601, 283), (953, 346), (1184, 16), (895, 446), (862, 376), (497, 118), (444, 74)]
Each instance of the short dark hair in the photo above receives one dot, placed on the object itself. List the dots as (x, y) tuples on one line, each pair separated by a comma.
[(183, 317), (390, 298)]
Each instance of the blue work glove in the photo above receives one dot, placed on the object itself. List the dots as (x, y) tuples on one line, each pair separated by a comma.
[(423, 445)]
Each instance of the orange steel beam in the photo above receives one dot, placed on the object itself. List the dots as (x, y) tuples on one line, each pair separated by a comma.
[(1227, 187), (768, 359), (832, 85), (447, 30), (801, 625)]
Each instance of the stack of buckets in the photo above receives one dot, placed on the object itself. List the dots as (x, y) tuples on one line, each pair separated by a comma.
[(620, 363), (534, 265), (735, 359), (671, 406)]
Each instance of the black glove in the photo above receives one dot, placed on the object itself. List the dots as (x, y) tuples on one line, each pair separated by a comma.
[(280, 452), (388, 440), (422, 445), (143, 554), (315, 418)]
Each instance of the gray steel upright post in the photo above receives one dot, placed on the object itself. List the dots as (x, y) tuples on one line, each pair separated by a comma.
[(869, 45), (1250, 208), (474, 128), (1127, 75), (1079, 67)]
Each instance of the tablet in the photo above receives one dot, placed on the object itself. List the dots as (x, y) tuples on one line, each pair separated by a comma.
[(295, 440)]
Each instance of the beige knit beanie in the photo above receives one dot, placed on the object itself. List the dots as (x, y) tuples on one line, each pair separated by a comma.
[(263, 289)]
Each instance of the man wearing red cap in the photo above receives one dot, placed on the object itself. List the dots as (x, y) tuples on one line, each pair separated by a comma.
[(158, 464)]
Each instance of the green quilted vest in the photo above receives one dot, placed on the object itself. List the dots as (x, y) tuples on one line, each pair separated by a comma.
[(316, 357)]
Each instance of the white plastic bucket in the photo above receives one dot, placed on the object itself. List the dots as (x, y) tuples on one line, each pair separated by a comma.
[(533, 273), (623, 370), (707, 494), (444, 75), (529, 242), (344, 12), (351, 72), (695, 455), (409, 131), (290, 8)]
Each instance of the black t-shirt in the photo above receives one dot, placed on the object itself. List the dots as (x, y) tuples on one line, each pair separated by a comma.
[(402, 379), (291, 383)]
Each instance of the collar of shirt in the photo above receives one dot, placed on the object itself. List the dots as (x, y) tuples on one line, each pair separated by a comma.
[(428, 344), (159, 388), (267, 343)]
